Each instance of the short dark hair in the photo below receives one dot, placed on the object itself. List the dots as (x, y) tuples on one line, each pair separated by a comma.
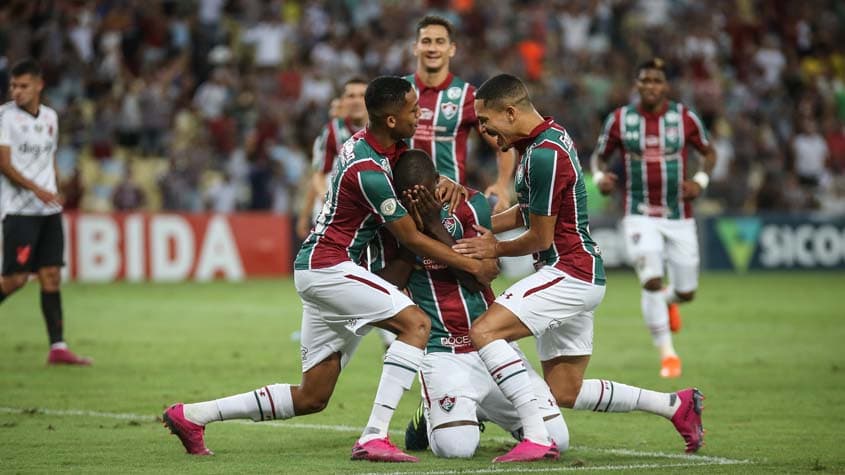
[(429, 20), (355, 80), (385, 95), (413, 167), (653, 63), (502, 90), (26, 66)]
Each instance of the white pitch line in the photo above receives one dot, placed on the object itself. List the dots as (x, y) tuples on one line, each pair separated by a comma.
[(556, 469), (694, 458)]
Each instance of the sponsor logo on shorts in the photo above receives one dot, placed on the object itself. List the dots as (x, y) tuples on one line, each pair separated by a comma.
[(23, 254), (447, 403), (303, 353)]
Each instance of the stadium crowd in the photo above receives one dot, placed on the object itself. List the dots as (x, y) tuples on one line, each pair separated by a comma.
[(214, 104)]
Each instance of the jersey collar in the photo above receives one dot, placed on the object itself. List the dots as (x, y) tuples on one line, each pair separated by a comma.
[(523, 144), (391, 153), (653, 115), (443, 85), (34, 116)]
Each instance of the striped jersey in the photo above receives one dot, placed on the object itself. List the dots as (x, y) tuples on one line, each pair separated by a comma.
[(447, 114), (654, 149), (32, 140), (450, 306), (358, 202), (328, 145), (549, 182)]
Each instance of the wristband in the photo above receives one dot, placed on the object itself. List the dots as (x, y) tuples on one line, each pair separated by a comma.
[(597, 177), (702, 179)]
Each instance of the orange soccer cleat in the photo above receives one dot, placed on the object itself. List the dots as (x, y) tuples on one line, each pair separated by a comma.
[(670, 367), (674, 318)]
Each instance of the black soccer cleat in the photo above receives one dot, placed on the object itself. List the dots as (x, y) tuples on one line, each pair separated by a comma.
[(416, 434)]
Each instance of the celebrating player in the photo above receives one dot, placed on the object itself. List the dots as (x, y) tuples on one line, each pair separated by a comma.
[(556, 303), (33, 238), (652, 137), (341, 300), (447, 113)]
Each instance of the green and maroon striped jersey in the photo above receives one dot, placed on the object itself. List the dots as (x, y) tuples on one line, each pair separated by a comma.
[(447, 114), (450, 306), (549, 182), (358, 202), (654, 149), (329, 143)]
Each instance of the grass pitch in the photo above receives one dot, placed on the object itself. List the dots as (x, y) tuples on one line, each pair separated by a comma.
[(764, 348)]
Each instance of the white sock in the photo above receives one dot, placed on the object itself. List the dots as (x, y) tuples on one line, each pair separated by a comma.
[(508, 370), (263, 404), (558, 432), (669, 294), (656, 316), (401, 363), (59, 345), (609, 396)]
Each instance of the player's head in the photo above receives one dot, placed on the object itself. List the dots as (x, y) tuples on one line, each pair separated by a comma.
[(651, 82), (26, 84), (434, 46), (499, 104), (352, 100), (392, 106), (414, 167)]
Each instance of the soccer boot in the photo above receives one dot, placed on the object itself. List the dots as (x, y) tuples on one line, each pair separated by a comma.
[(527, 451), (59, 356), (189, 433), (687, 419), (380, 450), (416, 434), (674, 317), (670, 367)]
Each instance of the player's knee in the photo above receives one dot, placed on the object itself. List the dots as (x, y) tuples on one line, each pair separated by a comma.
[(455, 442), (653, 285), (565, 395), (480, 335), (50, 278), (685, 296), (311, 404), (13, 282), (414, 327)]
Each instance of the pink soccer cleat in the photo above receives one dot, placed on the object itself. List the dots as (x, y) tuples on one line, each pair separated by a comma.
[(380, 450), (527, 451), (189, 433), (687, 419), (59, 356)]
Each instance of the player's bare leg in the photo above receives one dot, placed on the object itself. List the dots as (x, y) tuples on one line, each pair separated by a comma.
[(401, 363), (656, 316), (10, 284), (490, 334)]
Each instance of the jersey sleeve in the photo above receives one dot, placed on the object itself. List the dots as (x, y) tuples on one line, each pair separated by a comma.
[(696, 133), (318, 151), (548, 179), (609, 140), (476, 210), (5, 126), (379, 195)]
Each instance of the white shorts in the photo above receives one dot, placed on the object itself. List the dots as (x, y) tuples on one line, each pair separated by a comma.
[(558, 309), (458, 387), (652, 243), (338, 305)]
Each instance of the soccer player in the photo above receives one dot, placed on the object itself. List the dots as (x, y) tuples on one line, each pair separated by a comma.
[(33, 238), (342, 300), (350, 117), (653, 138), (447, 113), (556, 303)]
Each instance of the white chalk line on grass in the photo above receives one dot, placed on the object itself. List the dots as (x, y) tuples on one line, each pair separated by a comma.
[(693, 459)]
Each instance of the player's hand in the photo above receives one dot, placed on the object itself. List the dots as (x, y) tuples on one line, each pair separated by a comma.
[(303, 226), (408, 202), (482, 246), (488, 270), (607, 183), (47, 197), (451, 192), (690, 190), (502, 192), (426, 205)]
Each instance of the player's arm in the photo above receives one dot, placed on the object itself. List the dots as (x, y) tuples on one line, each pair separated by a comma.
[(503, 186), (9, 170), (398, 270), (509, 219), (313, 189), (699, 139), (609, 141)]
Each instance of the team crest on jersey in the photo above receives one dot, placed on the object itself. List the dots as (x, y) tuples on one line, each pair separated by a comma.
[(453, 93), (388, 207), (672, 133), (447, 403), (450, 224), (426, 113), (38, 128), (632, 119), (449, 110), (671, 116)]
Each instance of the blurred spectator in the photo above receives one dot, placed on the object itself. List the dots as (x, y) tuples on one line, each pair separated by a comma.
[(127, 195), (810, 154), (223, 196)]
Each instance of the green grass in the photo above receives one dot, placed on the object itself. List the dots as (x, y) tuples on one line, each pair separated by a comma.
[(764, 348)]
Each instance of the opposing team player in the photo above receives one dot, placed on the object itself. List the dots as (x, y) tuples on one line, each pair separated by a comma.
[(447, 113), (350, 117), (556, 303), (341, 300), (653, 138), (33, 238)]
